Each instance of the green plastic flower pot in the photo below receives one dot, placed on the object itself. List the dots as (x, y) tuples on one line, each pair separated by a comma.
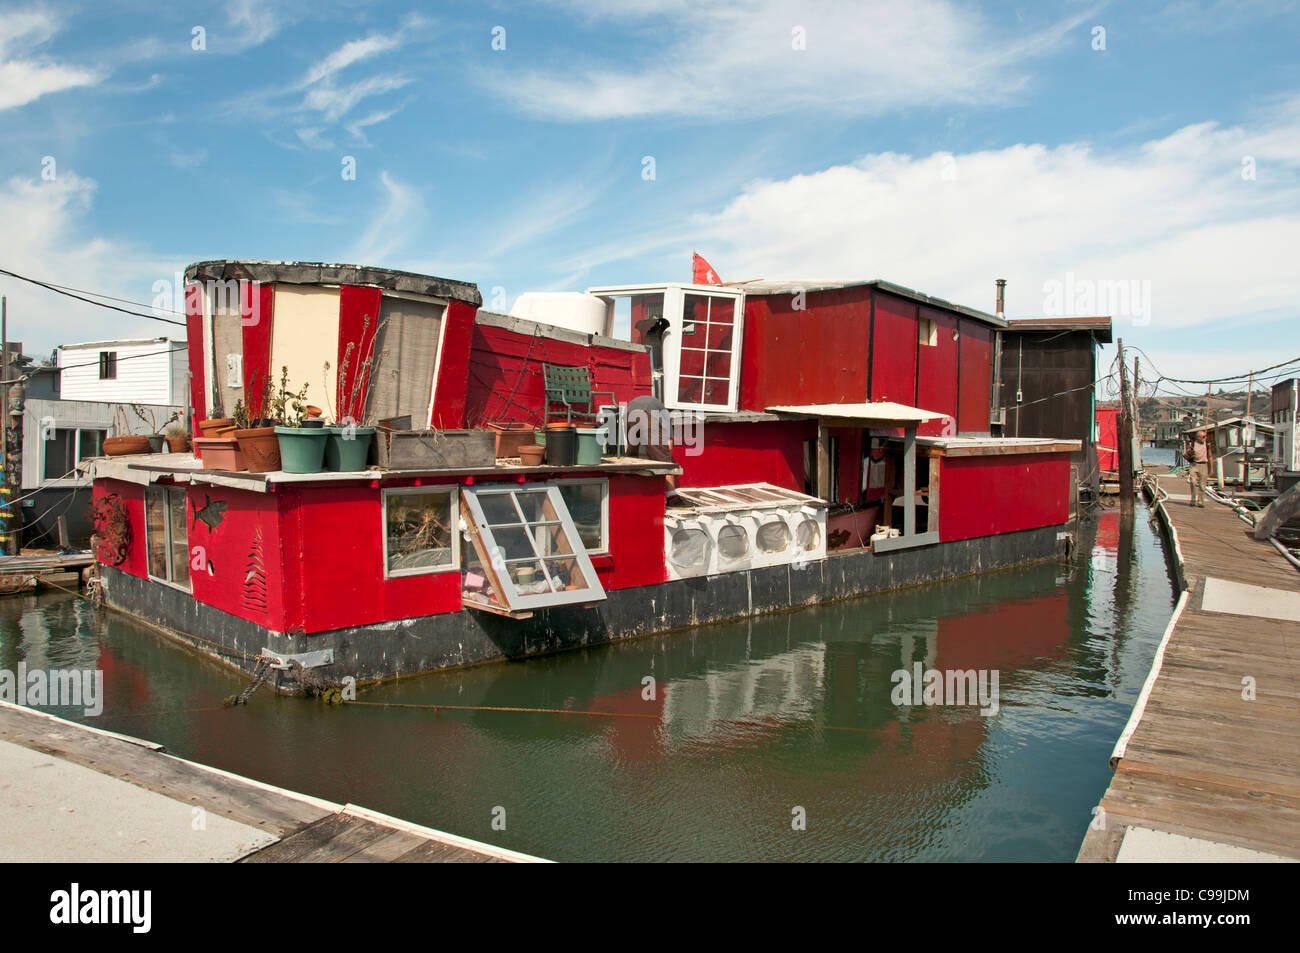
[(347, 449), (302, 449)]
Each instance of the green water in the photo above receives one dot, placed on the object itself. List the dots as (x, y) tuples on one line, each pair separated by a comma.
[(750, 722)]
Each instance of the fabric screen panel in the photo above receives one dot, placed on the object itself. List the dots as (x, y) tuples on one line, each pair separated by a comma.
[(228, 339), (406, 354)]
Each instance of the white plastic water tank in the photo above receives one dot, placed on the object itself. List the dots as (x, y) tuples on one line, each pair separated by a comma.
[(573, 310)]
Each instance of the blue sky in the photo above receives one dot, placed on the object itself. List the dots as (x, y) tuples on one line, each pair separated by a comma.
[(936, 144)]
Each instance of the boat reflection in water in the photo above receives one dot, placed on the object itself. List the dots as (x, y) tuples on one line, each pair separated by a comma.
[(713, 743)]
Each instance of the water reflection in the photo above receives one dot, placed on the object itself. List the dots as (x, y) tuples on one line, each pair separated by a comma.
[(746, 723)]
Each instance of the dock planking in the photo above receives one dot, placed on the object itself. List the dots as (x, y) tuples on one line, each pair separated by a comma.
[(1205, 761), (307, 829)]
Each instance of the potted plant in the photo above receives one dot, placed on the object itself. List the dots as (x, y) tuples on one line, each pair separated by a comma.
[(255, 430), (178, 440), (302, 449), (153, 432), (347, 449)]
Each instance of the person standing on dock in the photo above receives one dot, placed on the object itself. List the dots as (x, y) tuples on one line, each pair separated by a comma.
[(1198, 466)]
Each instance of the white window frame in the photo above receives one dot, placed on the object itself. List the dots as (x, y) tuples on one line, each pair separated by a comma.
[(511, 600), (674, 302), (453, 517), (604, 510), (76, 452), (167, 492)]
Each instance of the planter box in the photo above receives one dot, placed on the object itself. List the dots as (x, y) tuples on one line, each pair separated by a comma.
[(219, 453), (510, 437), (436, 449)]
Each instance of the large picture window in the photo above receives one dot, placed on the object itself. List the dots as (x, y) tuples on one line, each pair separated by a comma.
[(527, 553), (420, 531), (166, 536), (66, 447)]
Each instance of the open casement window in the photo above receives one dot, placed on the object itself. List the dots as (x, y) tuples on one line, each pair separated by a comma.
[(694, 334), (526, 553)]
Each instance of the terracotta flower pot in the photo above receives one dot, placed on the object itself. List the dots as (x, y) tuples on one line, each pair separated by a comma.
[(261, 449), (208, 428), (530, 455), (121, 446), (178, 444)]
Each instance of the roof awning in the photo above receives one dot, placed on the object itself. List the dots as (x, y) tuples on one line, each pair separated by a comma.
[(880, 414)]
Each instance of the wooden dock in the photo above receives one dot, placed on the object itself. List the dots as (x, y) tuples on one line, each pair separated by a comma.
[(29, 571), (1209, 768), (99, 796)]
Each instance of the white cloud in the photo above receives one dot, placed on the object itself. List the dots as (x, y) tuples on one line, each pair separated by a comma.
[(1175, 212), (253, 22), (347, 54), (335, 101), (392, 226), (43, 238), (24, 78), (740, 60)]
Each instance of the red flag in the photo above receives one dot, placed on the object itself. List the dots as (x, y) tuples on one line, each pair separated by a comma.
[(702, 272)]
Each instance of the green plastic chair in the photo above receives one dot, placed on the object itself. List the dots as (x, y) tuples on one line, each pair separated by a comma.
[(571, 386)]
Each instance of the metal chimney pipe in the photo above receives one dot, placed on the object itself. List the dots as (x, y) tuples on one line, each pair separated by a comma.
[(1002, 293)]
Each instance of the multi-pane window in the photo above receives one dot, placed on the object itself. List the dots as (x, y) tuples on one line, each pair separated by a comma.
[(587, 501), (708, 333), (526, 553), (166, 536), (420, 531), (108, 365), (65, 447)]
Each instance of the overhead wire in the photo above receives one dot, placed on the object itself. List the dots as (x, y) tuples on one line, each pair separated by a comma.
[(57, 289)]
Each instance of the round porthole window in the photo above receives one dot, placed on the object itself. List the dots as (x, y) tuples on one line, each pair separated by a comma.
[(774, 537), (808, 535), (733, 542), (690, 549)]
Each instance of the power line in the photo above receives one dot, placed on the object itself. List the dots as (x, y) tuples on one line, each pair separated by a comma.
[(58, 289)]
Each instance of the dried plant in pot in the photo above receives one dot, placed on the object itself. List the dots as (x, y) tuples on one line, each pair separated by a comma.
[(178, 440), (348, 447)]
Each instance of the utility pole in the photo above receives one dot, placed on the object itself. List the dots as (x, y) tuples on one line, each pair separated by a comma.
[(1207, 406), (1250, 386), (8, 523), (1125, 438)]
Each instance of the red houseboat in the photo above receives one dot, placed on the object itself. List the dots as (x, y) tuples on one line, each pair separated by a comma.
[(830, 440)]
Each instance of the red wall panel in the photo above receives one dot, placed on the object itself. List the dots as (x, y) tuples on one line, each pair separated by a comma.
[(342, 565), (893, 351), (132, 496), (358, 322), (636, 533), (982, 496), (194, 345), (236, 565), (506, 383), (815, 355), (748, 453), (936, 379), (256, 330), (976, 377), (452, 380)]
